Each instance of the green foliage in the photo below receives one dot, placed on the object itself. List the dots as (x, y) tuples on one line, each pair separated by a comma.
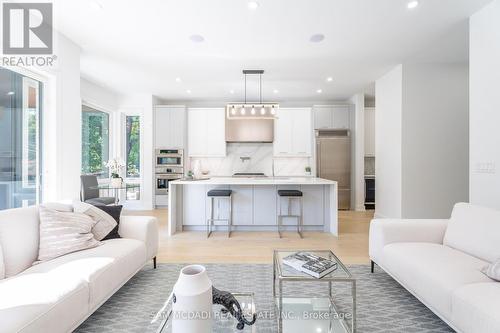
[(133, 146), (95, 139)]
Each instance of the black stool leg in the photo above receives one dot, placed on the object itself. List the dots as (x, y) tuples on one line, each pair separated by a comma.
[(154, 262), (373, 266)]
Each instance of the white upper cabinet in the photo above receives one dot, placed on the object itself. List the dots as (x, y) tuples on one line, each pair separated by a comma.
[(293, 132), (369, 131), (331, 116), (206, 132), (170, 127)]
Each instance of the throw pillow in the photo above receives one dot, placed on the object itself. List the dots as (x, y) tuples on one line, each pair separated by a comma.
[(64, 232), (114, 211), (105, 223), (493, 270)]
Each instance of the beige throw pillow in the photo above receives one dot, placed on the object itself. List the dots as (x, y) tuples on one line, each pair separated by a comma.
[(64, 232), (104, 222)]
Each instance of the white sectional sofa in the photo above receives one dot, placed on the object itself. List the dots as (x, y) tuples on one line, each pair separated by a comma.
[(58, 295), (440, 262)]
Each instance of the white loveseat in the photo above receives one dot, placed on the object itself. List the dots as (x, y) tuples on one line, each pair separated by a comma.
[(58, 295), (440, 262)]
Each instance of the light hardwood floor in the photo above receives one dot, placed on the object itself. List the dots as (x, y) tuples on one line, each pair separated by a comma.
[(256, 247)]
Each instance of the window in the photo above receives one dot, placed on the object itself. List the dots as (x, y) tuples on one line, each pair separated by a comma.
[(20, 119), (95, 142), (133, 128)]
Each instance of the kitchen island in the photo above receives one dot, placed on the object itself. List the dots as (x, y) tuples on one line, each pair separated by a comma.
[(255, 204)]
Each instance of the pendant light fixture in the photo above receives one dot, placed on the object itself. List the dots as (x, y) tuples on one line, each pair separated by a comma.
[(260, 110)]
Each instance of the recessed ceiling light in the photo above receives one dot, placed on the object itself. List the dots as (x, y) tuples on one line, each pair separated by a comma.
[(10, 93), (197, 38), (95, 5), (188, 91), (316, 38), (177, 79), (319, 91), (253, 5), (275, 91), (231, 91), (412, 4), (329, 79)]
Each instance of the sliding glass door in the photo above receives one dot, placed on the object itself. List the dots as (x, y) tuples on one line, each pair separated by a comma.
[(20, 153)]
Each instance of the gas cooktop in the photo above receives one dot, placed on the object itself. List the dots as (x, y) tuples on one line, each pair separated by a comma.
[(249, 174)]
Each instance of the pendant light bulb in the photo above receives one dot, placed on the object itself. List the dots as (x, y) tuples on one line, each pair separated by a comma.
[(233, 111), (243, 111), (262, 110), (273, 111), (253, 110)]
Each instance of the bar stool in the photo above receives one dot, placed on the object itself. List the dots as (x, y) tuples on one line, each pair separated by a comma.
[(219, 194), (290, 195)]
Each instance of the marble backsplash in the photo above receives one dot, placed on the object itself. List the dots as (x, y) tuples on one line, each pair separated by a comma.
[(260, 159)]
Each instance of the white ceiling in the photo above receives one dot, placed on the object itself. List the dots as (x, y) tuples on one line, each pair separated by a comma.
[(143, 46)]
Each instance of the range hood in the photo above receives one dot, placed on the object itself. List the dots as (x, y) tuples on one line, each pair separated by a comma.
[(249, 130), (251, 122)]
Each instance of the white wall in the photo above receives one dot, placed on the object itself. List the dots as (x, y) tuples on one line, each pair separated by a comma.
[(388, 141), (422, 140), (485, 106), (62, 123), (96, 95), (435, 131), (358, 152)]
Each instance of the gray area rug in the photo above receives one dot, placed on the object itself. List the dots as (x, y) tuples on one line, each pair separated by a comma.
[(383, 305)]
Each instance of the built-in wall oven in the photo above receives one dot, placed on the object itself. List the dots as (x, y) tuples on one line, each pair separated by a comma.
[(162, 181), (169, 158), (169, 167)]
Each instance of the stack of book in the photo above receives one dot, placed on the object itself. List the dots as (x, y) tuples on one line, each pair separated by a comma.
[(310, 264)]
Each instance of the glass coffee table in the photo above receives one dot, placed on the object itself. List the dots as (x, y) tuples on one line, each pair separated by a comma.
[(223, 322), (306, 313)]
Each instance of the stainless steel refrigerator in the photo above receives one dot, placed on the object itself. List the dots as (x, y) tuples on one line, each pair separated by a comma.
[(333, 153)]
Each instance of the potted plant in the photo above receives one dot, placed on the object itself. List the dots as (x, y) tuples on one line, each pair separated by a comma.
[(308, 170), (115, 166)]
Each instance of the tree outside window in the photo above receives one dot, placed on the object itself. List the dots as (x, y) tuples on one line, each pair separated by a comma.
[(95, 142), (133, 146)]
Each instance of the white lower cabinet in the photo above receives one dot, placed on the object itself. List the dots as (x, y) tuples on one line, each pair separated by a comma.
[(254, 205), (194, 213), (264, 205), (242, 205), (314, 207)]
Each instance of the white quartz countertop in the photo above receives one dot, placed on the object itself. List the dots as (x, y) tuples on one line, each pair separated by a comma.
[(256, 181)]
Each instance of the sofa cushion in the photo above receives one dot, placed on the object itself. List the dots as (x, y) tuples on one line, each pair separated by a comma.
[(64, 232), (19, 238), (474, 230), (2, 267), (42, 303), (476, 307), (105, 223), (104, 268), (432, 271)]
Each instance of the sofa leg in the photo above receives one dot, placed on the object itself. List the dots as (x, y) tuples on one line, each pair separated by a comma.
[(154, 262), (373, 266)]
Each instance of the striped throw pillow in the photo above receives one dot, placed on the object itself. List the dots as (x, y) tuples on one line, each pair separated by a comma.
[(64, 232)]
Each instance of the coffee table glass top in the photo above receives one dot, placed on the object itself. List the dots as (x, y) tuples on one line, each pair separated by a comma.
[(222, 323), (287, 272)]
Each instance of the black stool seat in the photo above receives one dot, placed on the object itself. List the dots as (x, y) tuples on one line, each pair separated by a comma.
[(289, 193), (219, 193)]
